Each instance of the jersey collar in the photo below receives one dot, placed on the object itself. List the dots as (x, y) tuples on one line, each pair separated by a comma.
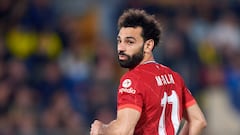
[(150, 61)]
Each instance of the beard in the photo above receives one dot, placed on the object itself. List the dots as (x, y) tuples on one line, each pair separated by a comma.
[(131, 61)]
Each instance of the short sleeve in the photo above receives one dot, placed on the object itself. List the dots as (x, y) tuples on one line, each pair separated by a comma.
[(130, 93), (188, 99)]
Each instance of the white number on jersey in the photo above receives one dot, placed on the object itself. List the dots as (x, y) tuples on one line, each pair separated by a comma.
[(172, 99)]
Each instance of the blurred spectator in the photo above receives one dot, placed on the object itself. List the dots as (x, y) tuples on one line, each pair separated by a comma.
[(48, 49), (232, 79), (21, 42), (5, 97), (100, 97), (49, 123), (49, 45), (39, 15), (176, 52), (106, 67), (74, 7), (60, 117), (23, 111), (17, 72), (50, 81), (74, 65), (11, 13), (226, 32), (3, 50), (58, 70), (76, 125), (106, 114)]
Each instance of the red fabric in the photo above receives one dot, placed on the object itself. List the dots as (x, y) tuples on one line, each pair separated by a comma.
[(143, 89)]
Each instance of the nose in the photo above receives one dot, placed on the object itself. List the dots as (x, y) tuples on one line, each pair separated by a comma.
[(121, 47)]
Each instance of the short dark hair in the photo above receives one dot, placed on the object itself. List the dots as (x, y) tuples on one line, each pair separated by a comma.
[(139, 18)]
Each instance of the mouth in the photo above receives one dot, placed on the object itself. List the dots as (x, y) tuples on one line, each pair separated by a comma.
[(122, 57)]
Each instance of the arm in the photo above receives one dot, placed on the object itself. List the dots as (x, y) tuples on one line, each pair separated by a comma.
[(195, 121), (124, 124), (185, 129)]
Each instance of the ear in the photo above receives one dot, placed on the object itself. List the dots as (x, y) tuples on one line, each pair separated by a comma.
[(148, 46)]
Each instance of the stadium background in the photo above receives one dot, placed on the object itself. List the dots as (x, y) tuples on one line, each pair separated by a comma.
[(58, 68)]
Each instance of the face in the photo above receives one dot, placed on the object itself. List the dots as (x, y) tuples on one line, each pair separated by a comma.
[(130, 47)]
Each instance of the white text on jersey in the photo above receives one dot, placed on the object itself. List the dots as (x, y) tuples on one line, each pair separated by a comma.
[(127, 90), (164, 79)]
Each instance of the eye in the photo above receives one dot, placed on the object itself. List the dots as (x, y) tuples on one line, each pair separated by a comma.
[(129, 42), (119, 41)]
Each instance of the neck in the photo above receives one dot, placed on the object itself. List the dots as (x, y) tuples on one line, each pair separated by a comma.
[(146, 59)]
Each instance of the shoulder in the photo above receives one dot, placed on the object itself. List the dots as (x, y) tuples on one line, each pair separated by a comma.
[(132, 74), (129, 80), (170, 70)]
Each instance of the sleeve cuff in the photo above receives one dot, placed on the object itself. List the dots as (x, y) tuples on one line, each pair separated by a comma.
[(190, 103), (135, 107)]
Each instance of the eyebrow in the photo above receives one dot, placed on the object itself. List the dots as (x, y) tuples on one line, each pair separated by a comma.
[(118, 37)]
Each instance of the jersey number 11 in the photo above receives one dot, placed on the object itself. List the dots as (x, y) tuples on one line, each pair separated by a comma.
[(166, 100)]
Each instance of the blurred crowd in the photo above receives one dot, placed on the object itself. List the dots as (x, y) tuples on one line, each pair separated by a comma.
[(59, 72)]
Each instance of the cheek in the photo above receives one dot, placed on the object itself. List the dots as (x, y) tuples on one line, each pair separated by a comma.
[(131, 52)]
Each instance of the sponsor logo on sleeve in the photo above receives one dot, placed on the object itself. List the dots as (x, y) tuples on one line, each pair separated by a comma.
[(126, 87), (126, 83)]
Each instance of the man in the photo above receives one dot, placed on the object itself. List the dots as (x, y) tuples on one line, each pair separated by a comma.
[(152, 99)]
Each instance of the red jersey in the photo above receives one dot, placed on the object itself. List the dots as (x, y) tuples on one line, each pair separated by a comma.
[(159, 94)]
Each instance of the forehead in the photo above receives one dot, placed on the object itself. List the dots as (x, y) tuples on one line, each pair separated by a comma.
[(130, 32)]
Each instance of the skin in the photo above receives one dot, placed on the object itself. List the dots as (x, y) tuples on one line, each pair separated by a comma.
[(130, 42), (195, 121)]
